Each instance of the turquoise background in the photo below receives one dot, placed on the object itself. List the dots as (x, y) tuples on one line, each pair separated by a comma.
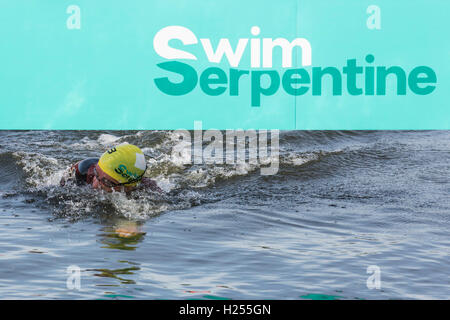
[(413, 33), (101, 76)]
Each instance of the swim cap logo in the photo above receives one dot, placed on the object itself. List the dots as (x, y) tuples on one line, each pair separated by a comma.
[(123, 171), (214, 81)]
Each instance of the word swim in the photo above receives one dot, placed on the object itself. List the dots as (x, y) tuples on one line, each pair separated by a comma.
[(187, 37), (359, 80)]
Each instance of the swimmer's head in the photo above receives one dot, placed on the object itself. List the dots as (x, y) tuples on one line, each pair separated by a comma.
[(124, 163)]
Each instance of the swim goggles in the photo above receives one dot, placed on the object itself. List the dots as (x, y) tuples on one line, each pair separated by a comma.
[(111, 184)]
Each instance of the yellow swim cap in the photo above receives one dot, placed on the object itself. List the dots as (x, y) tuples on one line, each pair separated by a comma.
[(124, 163)]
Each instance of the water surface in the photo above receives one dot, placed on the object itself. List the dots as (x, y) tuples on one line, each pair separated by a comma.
[(341, 201)]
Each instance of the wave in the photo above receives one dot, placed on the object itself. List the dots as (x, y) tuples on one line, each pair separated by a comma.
[(36, 168)]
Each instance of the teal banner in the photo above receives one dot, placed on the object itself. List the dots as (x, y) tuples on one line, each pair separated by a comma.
[(253, 64)]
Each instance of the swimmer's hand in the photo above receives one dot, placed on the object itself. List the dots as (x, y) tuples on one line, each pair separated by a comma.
[(68, 175), (148, 183)]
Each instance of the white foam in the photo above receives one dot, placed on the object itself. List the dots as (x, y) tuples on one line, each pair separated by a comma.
[(107, 139)]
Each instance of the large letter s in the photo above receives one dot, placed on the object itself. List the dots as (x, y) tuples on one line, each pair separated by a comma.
[(163, 36), (188, 84)]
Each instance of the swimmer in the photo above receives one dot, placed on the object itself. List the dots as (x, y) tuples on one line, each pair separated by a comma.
[(121, 168)]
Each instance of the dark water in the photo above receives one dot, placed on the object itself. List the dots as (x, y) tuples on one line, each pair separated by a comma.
[(341, 201)]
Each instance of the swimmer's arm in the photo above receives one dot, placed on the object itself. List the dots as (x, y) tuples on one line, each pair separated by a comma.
[(79, 171)]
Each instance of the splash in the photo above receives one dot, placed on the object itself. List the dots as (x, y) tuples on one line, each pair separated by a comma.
[(185, 183)]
